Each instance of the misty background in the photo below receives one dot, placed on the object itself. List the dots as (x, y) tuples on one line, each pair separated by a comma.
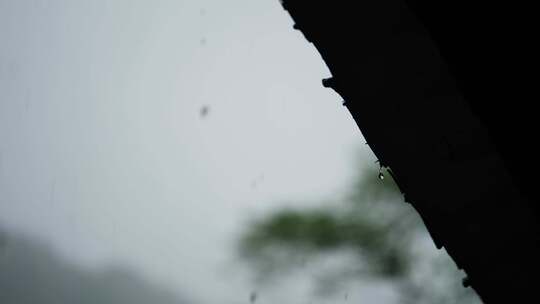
[(139, 138)]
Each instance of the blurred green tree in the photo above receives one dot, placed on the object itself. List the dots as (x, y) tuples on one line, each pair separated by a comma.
[(384, 237)]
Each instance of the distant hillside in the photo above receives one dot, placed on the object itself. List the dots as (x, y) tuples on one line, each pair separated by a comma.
[(30, 273)]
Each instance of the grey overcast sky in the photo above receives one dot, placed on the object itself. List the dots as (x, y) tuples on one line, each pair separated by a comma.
[(105, 151)]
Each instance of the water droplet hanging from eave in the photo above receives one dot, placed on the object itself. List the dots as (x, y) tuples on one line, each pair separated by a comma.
[(381, 175)]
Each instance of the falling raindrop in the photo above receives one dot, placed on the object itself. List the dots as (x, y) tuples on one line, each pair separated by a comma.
[(253, 297), (3, 244), (53, 191), (204, 111), (381, 175)]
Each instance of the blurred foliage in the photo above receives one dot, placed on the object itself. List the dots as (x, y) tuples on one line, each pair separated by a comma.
[(372, 224)]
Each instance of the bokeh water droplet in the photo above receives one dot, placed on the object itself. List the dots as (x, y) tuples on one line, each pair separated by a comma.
[(203, 112), (253, 297)]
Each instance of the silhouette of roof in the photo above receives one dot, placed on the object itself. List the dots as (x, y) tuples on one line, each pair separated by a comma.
[(440, 93)]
